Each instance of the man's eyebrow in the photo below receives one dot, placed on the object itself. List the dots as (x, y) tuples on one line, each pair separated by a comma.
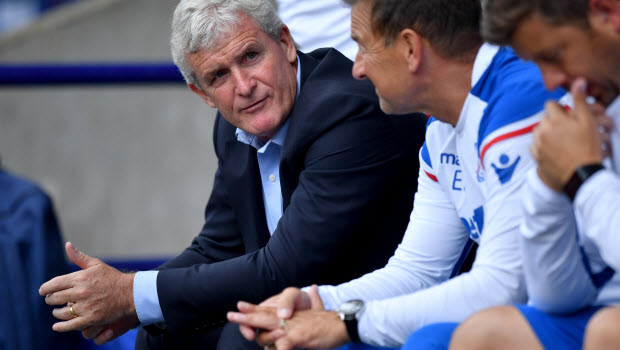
[(547, 52), (245, 49), (250, 46)]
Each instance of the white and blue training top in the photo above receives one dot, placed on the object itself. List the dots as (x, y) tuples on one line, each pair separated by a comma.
[(469, 182), (572, 250)]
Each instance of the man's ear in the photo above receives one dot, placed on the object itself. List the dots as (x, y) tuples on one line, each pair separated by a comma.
[(288, 45), (202, 95), (605, 12), (411, 43)]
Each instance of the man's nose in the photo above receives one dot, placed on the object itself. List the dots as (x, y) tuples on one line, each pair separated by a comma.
[(553, 76), (244, 83), (358, 68)]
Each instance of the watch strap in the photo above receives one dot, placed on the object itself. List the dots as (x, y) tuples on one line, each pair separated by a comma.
[(579, 177), (351, 325)]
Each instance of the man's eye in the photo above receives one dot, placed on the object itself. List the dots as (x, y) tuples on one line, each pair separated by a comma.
[(551, 57), (215, 77), (252, 55)]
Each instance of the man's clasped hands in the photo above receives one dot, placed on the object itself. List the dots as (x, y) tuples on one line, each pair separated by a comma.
[(293, 318)]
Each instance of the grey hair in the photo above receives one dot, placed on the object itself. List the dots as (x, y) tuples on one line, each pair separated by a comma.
[(198, 24)]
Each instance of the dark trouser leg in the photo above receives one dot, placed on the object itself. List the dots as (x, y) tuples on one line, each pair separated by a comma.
[(231, 339), (204, 341)]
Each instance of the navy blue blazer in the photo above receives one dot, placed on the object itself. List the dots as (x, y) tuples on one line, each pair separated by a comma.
[(348, 176)]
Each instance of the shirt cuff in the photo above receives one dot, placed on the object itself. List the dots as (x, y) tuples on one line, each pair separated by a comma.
[(366, 326), (541, 207), (328, 303), (542, 191), (590, 189), (146, 299)]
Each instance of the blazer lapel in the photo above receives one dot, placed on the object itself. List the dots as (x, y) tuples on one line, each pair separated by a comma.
[(243, 173), (291, 164)]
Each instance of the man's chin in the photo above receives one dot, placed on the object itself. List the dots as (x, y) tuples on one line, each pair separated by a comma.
[(386, 107), (389, 108), (267, 130)]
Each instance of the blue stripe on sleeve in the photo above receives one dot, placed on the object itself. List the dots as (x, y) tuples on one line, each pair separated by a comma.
[(425, 156), (424, 151)]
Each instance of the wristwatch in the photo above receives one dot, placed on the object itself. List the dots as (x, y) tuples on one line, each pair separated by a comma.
[(350, 312), (579, 177)]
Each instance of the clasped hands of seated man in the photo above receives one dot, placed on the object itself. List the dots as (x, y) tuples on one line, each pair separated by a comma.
[(289, 320), (98, 300)]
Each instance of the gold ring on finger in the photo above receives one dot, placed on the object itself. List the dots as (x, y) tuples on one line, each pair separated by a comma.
[(72, 312)]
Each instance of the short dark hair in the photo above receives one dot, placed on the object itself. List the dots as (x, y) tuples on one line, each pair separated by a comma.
[(451, 26), (500, 18)]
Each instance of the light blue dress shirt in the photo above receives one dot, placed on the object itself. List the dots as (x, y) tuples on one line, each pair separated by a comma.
[(269, 155)]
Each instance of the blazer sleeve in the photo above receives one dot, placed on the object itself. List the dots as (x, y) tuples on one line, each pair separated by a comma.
[(357, 180)]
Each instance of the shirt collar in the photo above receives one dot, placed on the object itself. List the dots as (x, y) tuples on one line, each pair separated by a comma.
[(483, 60), (280, 136)]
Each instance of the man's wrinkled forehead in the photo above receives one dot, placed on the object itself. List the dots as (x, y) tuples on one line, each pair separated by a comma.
[(360, 21), (363, 32)]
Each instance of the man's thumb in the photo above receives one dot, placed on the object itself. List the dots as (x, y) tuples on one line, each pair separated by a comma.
[(315, 298), (578, 90), (80, 259)]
